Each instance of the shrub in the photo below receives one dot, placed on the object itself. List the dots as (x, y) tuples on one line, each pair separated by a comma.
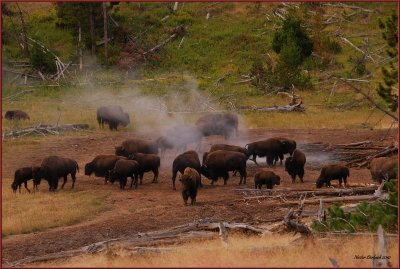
[(42, 60)]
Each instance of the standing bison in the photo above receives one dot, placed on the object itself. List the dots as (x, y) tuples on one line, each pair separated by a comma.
[(101, 165), (55, 167), (272, 149), (23, 175), (190, 183), (220, 162), (218, 124), (178, 137), (131, 146), (383, 168), (294, 165), (181, 162), (288, 147), (331, 172), (124, 169), (267, 178), (16, 115), (113, 116), (147, 163)]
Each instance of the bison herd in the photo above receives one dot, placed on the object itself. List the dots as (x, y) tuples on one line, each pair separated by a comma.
[(134, 157)]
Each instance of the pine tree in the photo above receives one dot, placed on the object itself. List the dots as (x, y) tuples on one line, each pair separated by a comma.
[(390, 73)]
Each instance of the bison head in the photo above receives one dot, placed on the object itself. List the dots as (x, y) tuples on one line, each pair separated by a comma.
[(14, 186), (89, 169), (289, 145), (288, 163), (120, 151), (112, 176), (320, 182), (204, 171)]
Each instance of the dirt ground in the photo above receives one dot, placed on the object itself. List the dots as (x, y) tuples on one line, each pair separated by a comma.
[(157, 206)]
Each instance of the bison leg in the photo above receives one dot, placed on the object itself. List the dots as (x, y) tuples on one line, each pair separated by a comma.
[(141, 177), (155, 176), (185, 197), (65, 181), (345, 182), (19, 188), (255, 159), (226, 177), (73, 175), (26, 186), (293, 178)]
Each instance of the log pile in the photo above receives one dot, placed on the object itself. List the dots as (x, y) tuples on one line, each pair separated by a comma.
[(43, 129), (357, 154)]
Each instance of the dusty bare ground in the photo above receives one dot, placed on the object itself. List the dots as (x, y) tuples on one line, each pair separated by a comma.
[(156, 206)]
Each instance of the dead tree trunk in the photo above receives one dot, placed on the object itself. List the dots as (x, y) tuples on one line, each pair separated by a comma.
[(105, 29), (25, 48), (92, 35)]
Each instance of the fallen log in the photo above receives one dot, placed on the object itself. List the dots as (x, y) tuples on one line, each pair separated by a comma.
[(46, 129), (297, 107)]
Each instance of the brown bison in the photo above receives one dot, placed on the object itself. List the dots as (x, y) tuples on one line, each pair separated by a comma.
[(101, 165), (23, 175), (229, 148), (383, 168), (184, 160), (131, 146), (124, 169), (294, 165), (332, 172), (220, 162), (267, 178), (272, 149), (225, 124), (289, 146), (147, 163), (179, 137), (113, 116), (190, 182), (16, 115), (55, 167)]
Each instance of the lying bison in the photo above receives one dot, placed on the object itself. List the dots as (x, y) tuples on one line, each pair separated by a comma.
[(131, 146), (272, 149), (184, 160), (113, 116), (383, 168), (23, 175), (16, 115), (124, 169), (55, 167), (267, 178), (147, 163), (101, 165), (218, 124), (220, 162), (190, 182), (294, 165), (178, 137), (332, 172)]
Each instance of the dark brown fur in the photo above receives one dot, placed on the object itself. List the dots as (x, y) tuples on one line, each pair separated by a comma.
[(124, 169), (147, 163), (272, 149), (218, 124), (294, 165), (16, 115), (186, 159), (23, 175), (267, 178), (101, 165), (383, 168), (190, 183), (131, 146), (332, 172), (113, 116)]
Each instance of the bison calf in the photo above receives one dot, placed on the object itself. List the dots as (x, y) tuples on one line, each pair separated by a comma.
[(267, 178), (332, 172), (383, 168), (23, 175), (294, 165), (124, 169), (190, 182), (186, 159)]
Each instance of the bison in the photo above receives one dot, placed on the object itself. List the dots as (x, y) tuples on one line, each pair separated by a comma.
[(220, 162), (190, 183), (16, 115), (113, 116), (383, 168), (23, 175), (101, 165), (288, 147), (131, 146), (267, 178), (294, 165), (331, 172), (147, 163), (186, 159), (229, 148), (272, 149), (55, 167), (218, 124), (124, 169)]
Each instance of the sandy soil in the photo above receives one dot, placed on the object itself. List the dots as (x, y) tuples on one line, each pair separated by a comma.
[(157, 206)]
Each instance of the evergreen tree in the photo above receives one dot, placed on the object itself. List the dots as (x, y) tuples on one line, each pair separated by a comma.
[(390, 73)]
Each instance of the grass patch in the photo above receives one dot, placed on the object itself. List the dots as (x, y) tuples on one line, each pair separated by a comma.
[(27, 213), (267, 251)]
